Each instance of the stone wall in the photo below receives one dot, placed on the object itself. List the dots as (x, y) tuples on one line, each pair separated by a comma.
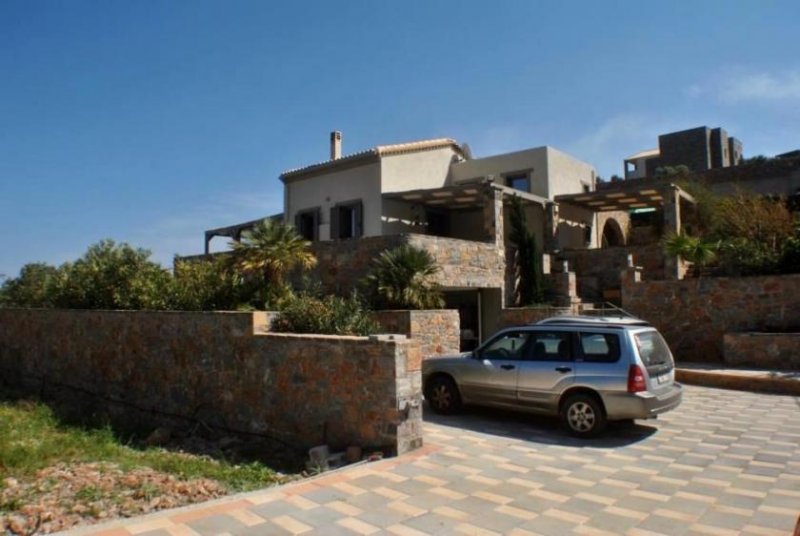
[(694, 314), (518, 316), (463, 263), (780, 351), (437, 331), (302, 389), (599, 269)]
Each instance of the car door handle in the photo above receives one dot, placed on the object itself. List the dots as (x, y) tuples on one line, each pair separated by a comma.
[(508, 367), (563, 370)]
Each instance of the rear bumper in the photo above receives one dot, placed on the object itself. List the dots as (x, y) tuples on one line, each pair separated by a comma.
[(644, 405)]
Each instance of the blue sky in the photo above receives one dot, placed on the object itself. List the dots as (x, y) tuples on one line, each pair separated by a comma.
[(149, 122)]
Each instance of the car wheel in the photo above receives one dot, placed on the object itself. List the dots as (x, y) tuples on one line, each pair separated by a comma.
[(583, 415), (443, 395)]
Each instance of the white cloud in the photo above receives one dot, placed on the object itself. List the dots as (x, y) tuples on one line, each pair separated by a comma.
[(734, 86)]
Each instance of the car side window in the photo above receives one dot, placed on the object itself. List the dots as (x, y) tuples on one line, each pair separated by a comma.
[(600, 347), (550, 346), (507, 346)]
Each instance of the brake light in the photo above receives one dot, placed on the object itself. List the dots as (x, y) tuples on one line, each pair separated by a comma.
[(636, 381)]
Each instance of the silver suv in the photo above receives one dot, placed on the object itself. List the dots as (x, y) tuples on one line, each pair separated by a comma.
[(587, 370)]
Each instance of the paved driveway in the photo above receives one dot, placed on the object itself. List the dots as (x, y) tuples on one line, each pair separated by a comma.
[(725, 462)]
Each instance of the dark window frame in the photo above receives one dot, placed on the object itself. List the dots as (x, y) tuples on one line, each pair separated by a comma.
[(315, 213), (357, 230), (523, 174)]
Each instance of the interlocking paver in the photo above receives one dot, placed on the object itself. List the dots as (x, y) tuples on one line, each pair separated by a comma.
[(725, 462)]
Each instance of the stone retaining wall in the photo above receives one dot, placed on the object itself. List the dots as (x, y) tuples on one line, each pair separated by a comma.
[(303, 389), (463, 263), (518, 316), (780, 351), (694, 314), (599, 269), (437, 331)]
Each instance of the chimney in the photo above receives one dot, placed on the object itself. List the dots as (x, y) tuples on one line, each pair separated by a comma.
[(336, 145)]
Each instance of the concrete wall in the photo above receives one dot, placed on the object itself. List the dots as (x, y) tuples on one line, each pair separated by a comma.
[(303, 389), (417, 170), (437, 331), (566, 174), (779, 351), (694, 314), (325, 191)]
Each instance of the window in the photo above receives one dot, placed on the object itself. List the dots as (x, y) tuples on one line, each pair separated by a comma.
[(652, 349), (347, 220), (507, 346), (307, 224), (552, 346), (600, 347), (519, 181)]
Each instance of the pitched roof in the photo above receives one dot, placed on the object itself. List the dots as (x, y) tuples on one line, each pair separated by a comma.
[(376, 153)]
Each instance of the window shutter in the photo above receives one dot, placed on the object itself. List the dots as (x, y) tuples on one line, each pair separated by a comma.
[(334, 223), (358, 232), (316, 224)]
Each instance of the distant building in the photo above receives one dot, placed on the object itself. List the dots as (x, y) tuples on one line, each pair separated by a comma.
[(699, 149)]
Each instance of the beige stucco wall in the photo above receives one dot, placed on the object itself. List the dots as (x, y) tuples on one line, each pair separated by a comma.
[(533, 161), (567, 175), (415, 171), (325, 191)]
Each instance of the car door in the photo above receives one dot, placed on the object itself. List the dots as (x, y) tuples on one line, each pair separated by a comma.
[(492, 379), (547, 370)]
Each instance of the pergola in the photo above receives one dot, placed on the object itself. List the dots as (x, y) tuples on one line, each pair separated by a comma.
[(666, 197)]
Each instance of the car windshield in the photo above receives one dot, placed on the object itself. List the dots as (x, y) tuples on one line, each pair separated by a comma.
[(652, 348)]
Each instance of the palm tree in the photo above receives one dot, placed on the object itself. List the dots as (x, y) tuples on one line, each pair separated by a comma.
[(402, 278), (692, 249), (271, 250)]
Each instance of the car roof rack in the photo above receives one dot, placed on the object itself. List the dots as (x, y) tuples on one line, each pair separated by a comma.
[(593, 321)]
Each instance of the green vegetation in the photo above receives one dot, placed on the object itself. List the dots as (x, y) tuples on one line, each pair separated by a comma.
[(331, 315), (119, 276), (742, 234), (271, 250), (32, 438), (691, 248), (402, 278), (529, 259)]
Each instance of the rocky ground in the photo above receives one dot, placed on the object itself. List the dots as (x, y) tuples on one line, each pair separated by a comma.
[(66, 495)]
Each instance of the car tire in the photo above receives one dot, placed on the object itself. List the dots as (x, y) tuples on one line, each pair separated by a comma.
[(443, 396), (583, 416)]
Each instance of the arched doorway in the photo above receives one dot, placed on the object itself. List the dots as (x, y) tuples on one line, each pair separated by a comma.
[(612, 234)]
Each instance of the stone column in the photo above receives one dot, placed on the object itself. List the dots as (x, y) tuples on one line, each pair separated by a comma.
[(551, 227), (672, 225), (565, 287)]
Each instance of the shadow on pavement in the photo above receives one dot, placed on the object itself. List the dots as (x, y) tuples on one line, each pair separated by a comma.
[(537, 429)]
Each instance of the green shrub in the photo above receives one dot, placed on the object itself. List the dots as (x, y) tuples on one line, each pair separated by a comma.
[(330, 315), (35, 287), (209, 286), (790, 258), (530, 288), (402, 278)]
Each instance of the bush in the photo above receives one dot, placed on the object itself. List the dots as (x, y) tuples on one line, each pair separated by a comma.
[(330, 315), (790, 258), (35, 287), (402, 278), (209, 286)]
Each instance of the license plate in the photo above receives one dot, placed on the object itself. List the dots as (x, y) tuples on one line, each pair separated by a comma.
[(664, 378)]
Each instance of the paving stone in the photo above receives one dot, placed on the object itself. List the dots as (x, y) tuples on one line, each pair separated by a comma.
[(216, 524)]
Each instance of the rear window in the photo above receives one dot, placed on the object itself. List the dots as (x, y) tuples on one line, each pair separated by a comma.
[(600, 347), (652, 349)]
